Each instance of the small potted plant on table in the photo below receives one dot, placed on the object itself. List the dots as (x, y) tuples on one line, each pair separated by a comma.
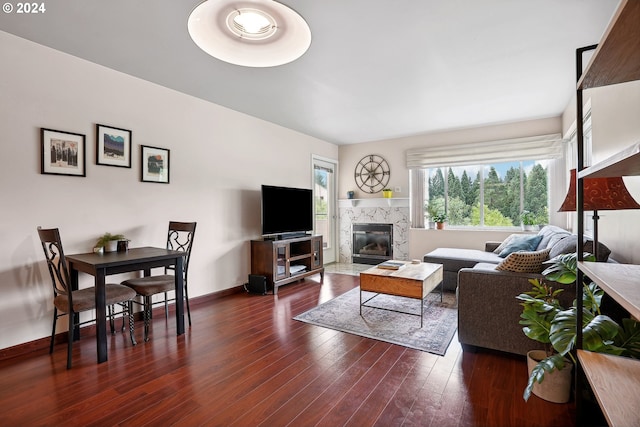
[(109, 241)]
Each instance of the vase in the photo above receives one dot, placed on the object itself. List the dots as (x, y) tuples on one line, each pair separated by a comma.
[(556, 385), (111, 246)]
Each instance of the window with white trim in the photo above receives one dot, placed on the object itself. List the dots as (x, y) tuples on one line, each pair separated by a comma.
[(508, 186)]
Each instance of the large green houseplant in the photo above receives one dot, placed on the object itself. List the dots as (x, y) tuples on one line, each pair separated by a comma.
[(545, 320)]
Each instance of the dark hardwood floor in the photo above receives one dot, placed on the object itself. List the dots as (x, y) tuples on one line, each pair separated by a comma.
[(245, 362)]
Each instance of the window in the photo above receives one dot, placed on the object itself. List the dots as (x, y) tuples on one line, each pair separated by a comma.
[(503, 190), (484, 183)]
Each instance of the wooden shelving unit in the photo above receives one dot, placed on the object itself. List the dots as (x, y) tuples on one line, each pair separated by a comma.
[(614, 379)]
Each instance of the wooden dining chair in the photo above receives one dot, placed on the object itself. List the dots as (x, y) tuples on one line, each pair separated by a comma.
[(179, 238), (71, 302)]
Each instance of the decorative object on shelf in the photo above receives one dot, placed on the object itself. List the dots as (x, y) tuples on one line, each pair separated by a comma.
[(387, 193), (351, 194), (154, 164), (113, 146), (63, 153), (372, 174), (546, 321), (598, 194), (256, 33), (440, 220), (109, 242)]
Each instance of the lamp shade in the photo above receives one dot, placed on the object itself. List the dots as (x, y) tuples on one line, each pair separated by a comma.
[(599, 194)]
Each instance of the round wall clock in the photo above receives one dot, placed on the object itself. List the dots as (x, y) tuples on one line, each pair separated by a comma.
[(372, 174)]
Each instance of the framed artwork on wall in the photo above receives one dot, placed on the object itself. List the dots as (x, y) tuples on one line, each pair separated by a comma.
[(63, 153), (154, 164), (113, 146)]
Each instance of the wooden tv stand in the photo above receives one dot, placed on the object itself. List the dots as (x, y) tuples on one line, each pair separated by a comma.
[(280, 261)]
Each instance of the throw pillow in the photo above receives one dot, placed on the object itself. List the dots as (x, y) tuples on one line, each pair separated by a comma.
[(505, 242), (524, 262), (521, 243)]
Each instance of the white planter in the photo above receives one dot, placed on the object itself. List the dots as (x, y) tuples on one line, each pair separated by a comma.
[(556, 386), (111, 246)]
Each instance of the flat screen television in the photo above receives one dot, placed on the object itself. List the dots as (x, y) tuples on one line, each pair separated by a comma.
[(286, 210)]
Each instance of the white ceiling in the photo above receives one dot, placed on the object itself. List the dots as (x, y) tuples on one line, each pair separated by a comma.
[(376, 69)]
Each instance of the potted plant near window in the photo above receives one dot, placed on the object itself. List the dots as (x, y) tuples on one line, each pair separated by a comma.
[(440, 220), (109, 241), (528, 220), (546, 321)]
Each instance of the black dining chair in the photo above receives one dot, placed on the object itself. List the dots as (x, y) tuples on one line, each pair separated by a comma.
[(71, 302), (180, 238)]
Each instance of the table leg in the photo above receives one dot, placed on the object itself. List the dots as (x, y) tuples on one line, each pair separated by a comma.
[(179, 295), (101, 316)]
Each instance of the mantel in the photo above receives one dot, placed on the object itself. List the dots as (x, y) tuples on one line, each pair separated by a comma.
[(375, 202)]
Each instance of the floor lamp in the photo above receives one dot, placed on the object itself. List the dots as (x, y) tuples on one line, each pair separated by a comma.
[(599, 194)]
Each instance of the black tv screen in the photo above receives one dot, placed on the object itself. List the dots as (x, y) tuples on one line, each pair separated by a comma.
[(286, 210)]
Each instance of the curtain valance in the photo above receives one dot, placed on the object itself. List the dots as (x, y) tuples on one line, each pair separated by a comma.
[(487, 152)]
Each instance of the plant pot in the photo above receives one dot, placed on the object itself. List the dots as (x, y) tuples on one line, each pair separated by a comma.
[(111, 246), (387, 194), (556, 386), (440, 225), (431, 225)]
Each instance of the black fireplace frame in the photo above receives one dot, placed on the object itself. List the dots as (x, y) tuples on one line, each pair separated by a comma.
[(372, 229)]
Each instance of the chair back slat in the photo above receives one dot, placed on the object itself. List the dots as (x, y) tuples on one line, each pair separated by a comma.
[(56, 262), (180, 238)]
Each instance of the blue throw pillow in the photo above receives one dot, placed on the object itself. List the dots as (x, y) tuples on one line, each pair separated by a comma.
[(521, 243)]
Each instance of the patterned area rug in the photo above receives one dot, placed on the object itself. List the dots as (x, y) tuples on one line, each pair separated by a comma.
[(343, 314)]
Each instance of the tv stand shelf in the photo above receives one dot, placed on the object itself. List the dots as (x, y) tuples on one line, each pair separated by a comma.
[(278, 260)]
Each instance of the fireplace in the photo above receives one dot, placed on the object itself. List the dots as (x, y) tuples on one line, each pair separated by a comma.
[(372, 243)]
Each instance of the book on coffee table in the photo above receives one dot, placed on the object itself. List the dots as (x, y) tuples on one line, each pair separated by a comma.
[(391, 265)]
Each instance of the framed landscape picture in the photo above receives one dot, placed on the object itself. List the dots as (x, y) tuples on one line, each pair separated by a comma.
[(113, 146), (154, 164), (63, 153)]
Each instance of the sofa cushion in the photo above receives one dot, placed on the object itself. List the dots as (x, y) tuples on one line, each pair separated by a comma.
[(548, 232), (521, 243), (524, 262), (453, 259), (568, 244)]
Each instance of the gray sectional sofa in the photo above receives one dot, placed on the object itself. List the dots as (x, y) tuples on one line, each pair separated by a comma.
[(488, 312)]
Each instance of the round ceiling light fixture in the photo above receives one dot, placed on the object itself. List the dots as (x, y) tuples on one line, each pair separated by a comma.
[(251, 33)]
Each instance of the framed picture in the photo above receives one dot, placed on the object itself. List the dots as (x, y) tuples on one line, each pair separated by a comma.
[(113, 146), (63, 153), (154, 164)]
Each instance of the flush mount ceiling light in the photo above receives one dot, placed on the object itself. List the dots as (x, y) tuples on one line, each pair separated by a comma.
[(251, 33)]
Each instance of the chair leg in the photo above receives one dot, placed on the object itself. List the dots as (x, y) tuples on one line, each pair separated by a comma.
[(111, 321), (70, 343), (166, 306), (53, 330), (147, 317), (131, 323), (186, 297)]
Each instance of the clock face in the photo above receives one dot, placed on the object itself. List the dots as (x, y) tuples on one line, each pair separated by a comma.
[(372, 174)]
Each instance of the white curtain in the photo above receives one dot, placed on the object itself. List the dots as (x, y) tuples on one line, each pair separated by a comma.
[(488, 152), (416, 181)]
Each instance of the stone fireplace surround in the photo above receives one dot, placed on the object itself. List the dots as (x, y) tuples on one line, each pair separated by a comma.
[(374, 211)]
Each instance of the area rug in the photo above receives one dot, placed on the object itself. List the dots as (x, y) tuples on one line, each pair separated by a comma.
[(343, 314)]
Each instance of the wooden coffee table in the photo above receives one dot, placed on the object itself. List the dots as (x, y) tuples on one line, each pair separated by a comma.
[(411, 281)]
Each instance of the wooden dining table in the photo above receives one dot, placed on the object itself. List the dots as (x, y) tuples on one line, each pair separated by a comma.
[(100, 265)]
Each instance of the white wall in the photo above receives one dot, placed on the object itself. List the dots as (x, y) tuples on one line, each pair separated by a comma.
[(219, 159), (423, 241)]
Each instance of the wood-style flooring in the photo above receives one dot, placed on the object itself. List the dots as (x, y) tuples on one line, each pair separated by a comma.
[(245, 362)]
